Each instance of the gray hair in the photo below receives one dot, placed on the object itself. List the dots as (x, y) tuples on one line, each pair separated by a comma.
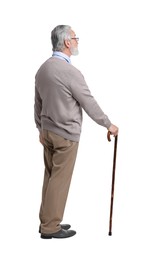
[(58, 35)]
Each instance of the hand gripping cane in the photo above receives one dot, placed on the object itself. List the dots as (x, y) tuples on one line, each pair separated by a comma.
[(113, 180)]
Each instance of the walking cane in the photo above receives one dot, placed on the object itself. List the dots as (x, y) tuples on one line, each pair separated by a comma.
[(113, 180)]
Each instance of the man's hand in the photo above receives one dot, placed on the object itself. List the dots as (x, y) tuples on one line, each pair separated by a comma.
[(113, 130)]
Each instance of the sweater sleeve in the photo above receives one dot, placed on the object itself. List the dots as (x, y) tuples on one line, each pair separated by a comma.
[(82, 94), (37, 109)]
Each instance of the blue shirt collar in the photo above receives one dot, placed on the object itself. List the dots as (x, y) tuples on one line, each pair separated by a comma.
[(61, 56)]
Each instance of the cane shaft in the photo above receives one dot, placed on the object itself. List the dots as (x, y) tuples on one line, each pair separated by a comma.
[(113, 185)]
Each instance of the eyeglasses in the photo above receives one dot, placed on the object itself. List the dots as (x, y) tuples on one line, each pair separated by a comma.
[(75, 38)]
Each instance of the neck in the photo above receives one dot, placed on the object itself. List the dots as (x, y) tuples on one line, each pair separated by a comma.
[(67, 52)]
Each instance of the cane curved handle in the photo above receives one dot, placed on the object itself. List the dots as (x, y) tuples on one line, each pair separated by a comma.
[(109, 136)]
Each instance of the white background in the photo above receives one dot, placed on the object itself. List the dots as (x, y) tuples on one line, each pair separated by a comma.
[(120, 57)]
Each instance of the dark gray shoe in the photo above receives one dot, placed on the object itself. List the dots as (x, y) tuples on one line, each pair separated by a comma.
[(63, 226), (62, 233)]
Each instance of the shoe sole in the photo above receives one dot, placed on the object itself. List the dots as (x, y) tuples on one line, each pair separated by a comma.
[(50, 237)]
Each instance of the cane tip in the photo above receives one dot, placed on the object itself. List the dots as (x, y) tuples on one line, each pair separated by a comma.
[(110, 233)]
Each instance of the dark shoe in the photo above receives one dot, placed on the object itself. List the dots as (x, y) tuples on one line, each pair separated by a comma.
[(60, 234), (63, 226)]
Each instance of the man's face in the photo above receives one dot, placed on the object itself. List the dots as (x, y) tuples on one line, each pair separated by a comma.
[(74, 43)]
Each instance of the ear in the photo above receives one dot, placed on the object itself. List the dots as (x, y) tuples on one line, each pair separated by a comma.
[(67, 43)]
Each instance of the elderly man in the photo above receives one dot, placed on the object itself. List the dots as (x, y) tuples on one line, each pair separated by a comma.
[(60, 94)]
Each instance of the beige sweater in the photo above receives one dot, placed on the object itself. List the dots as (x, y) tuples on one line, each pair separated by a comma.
[(60, 94)]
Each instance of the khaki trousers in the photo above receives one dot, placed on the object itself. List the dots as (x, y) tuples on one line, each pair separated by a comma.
[(59, 158)]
